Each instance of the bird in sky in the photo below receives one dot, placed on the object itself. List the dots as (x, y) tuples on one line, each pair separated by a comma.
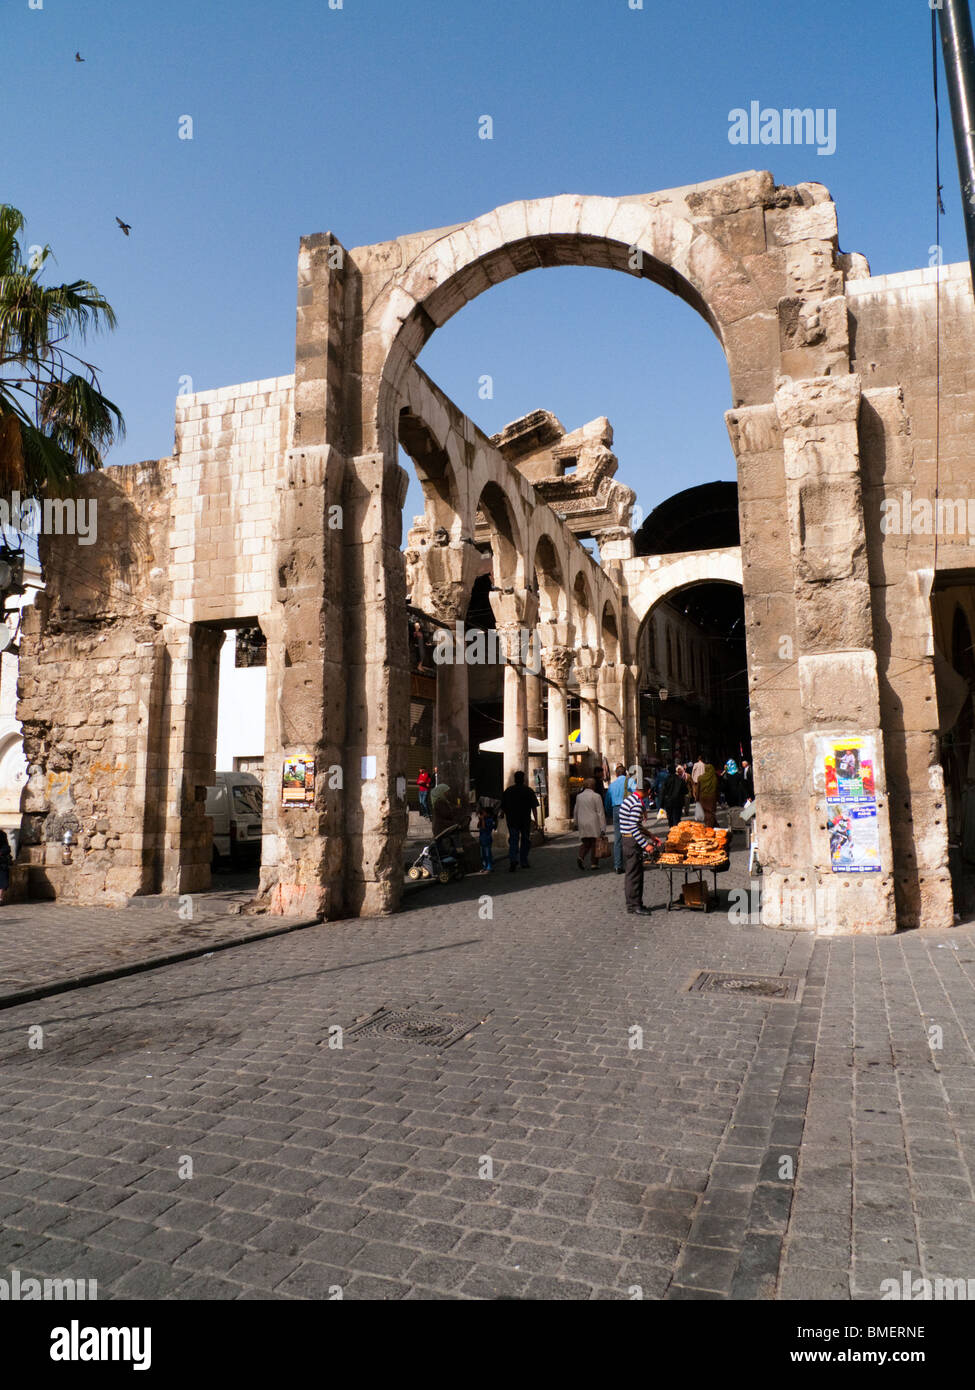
[(78, 58), (126, 226)]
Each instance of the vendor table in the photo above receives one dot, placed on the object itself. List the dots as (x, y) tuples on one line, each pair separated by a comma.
[(699, 869)]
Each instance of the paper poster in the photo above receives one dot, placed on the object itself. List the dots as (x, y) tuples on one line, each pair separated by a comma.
[(854, 837), (851, 806), (298, 782), (850, 770)]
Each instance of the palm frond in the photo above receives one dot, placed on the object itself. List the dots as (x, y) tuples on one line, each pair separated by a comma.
[(80, 420)]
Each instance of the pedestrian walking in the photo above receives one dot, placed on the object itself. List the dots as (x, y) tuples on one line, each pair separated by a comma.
[(519, 805), (424, 782), (673, 796), (635, 843), (615, 793), (486, 826), (732, 783), (590, 820), (706, 784), (747, 781)]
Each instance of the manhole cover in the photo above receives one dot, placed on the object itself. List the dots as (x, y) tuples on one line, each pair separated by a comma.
[(775, 987), (435, 1030)]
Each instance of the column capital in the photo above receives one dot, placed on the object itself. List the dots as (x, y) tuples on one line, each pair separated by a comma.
[(558, 663), (442, 574), (514, 608), (587, 663)]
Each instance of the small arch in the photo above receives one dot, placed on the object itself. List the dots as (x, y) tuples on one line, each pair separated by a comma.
[(610, 633), (493, 511), (549, 581), (433, 468)]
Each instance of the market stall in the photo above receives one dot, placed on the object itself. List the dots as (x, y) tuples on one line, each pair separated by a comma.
[(693, 850)]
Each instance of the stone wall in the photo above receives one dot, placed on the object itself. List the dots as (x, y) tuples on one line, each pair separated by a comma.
[(118, 671), (894, 323)]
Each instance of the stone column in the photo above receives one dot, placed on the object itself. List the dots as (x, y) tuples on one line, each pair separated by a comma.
[(376, 686), (191, 718), (611, 735), (835, 657), (514, 613), (587, 663), (441, 576), (631, 713), (533, 706), (557, 658), (451, 736)]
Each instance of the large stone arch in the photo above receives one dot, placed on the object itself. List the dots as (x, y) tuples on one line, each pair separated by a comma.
[(762, 266), (706, 245)]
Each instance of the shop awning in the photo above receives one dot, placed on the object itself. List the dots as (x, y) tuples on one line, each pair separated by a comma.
[(496, 745)]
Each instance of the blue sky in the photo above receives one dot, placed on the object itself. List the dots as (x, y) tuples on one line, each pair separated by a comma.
[(363, 120)]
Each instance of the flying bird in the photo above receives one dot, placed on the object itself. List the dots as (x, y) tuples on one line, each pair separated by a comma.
[(78, 58), (126, 226)]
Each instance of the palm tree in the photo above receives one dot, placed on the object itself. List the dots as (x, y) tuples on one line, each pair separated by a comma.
[(54, 421)]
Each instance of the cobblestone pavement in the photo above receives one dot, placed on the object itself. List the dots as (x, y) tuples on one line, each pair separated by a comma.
[(41, 943), (544, 1155)]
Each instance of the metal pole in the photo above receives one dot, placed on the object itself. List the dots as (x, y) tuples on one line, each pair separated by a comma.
[(958, 48)]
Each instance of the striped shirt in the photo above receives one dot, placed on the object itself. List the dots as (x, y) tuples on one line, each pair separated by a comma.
[(631, 814)]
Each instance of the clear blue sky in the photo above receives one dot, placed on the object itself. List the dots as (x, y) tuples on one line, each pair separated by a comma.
[(363, 120)]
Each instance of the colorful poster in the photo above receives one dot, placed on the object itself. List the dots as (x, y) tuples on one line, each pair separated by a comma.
[(298, 782), (851, 806), (854, 837), (850, 770)]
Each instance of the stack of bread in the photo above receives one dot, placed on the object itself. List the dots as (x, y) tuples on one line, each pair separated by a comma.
[(696, 846)]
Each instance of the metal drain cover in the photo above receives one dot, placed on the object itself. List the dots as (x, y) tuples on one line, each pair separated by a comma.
[(436, 1030), (780, 988)]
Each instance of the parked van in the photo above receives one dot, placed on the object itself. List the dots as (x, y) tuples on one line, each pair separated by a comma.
[(235, 804)]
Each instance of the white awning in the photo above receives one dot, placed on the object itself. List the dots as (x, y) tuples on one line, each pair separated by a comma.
[(496, 745)]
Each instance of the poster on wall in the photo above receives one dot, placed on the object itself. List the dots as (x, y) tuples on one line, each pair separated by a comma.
[(849, 770), (851, 806), (854, 837), (298, 782)]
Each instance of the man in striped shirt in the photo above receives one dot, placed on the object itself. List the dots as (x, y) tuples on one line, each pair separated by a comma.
[(635, 843)]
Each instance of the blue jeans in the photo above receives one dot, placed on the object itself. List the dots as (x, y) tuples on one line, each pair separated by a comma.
[(425, 804), (518, 843), (487, 859), (617, 841)]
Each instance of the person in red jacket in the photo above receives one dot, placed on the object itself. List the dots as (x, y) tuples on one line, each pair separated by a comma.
[(424, 782)]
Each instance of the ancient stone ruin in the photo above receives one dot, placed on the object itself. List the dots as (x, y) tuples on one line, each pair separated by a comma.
[(282, 506)]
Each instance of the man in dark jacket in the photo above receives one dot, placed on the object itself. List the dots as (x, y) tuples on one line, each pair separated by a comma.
[(673, 796), (519, 805)]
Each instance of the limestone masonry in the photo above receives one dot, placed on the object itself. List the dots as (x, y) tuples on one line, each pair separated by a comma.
[(282, 505)]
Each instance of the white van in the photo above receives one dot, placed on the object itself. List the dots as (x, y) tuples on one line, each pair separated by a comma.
[(235, 805)]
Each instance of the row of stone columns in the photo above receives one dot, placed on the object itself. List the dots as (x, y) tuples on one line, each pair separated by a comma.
[(538, 657)]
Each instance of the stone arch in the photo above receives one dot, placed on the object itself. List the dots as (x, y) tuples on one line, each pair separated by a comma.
[(680, 240), (609, 633), (506, 544), (434, 471), (583, 611), (649, 582), (549, 577)]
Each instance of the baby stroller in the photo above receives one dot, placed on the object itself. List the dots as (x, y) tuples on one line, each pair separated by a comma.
[(440, 859)]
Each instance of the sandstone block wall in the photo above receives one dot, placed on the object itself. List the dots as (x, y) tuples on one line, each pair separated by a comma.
[(894, 331)]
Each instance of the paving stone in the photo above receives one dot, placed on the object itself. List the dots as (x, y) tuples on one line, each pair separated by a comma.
[(611, 1170)]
